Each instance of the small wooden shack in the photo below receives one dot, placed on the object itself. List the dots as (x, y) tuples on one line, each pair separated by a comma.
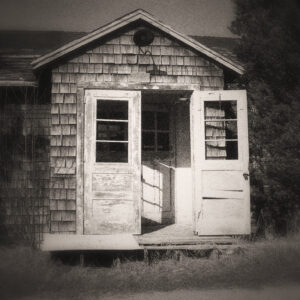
[(138, 133)]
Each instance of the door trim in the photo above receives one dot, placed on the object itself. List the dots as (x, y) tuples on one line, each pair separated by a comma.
[(80, 161)]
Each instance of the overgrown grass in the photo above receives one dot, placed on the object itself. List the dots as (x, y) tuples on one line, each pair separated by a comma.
[(27, 272)]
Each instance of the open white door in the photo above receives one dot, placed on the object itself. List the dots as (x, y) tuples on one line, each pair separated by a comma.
[(219, 145), (112, 162)]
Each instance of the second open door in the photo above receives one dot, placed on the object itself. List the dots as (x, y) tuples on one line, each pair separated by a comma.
[(219, 148)]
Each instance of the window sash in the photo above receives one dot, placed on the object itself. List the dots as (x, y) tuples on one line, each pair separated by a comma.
[(156, 131)]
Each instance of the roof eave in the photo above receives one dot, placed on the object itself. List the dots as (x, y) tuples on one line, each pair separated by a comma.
[(17, 83)]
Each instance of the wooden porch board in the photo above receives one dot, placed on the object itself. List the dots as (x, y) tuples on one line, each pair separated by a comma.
[(73, 242), (183, 241), (179, 234), (171, 237), (193, 247)]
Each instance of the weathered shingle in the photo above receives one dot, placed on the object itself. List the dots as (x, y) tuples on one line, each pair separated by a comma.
[(19, 48)]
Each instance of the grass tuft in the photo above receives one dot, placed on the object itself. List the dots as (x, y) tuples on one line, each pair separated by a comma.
[(24, 271)]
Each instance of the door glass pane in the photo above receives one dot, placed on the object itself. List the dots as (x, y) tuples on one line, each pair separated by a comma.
[(163, 143), (221, 132), (215, 130), (111, 152), (232, 149), (231, 129), (220, 110), (221, 150), (148, 141), (162, 121), (115, 110), (115, 131), (215, 150), (148, 120)]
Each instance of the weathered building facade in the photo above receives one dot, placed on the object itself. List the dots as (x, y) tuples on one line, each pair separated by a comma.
[(142, 132)]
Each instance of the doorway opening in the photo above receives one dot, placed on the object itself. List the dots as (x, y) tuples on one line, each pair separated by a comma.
[(165, 147)]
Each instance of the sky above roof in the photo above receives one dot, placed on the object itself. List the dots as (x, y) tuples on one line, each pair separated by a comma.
[(193, 17)]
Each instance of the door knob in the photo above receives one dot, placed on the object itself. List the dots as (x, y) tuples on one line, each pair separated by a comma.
[(246, 176)]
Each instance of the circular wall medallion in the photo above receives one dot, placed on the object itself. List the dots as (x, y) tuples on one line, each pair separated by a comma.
[(143, 37)]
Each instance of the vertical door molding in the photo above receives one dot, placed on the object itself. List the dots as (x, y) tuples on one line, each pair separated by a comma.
[(79, 161)]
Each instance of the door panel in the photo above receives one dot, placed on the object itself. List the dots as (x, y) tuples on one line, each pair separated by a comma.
[(222, 217), (157, 183), (222, 184), (112, 167), (220, 157)]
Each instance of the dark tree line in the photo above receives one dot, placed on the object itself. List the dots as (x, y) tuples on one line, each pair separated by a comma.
[(270, 51)]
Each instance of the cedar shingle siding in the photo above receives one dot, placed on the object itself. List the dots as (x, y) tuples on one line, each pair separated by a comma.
[(25, 171)]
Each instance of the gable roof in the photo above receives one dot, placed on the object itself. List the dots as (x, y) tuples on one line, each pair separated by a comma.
[(126, 20), (19, 48)]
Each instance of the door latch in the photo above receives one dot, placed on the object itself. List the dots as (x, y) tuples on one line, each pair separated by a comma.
[(246, 176)]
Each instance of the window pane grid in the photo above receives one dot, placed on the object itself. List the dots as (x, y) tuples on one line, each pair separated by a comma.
[(220, 130), (220, 109), (155, 125), (112, 131), (112, 109)]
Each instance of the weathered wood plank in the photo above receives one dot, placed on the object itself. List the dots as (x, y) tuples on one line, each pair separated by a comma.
[(111, 182), (79, 161), (173, 240), (64, 242), (208, 246)]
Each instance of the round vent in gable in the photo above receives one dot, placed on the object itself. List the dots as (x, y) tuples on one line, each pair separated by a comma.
[(143, 37)]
